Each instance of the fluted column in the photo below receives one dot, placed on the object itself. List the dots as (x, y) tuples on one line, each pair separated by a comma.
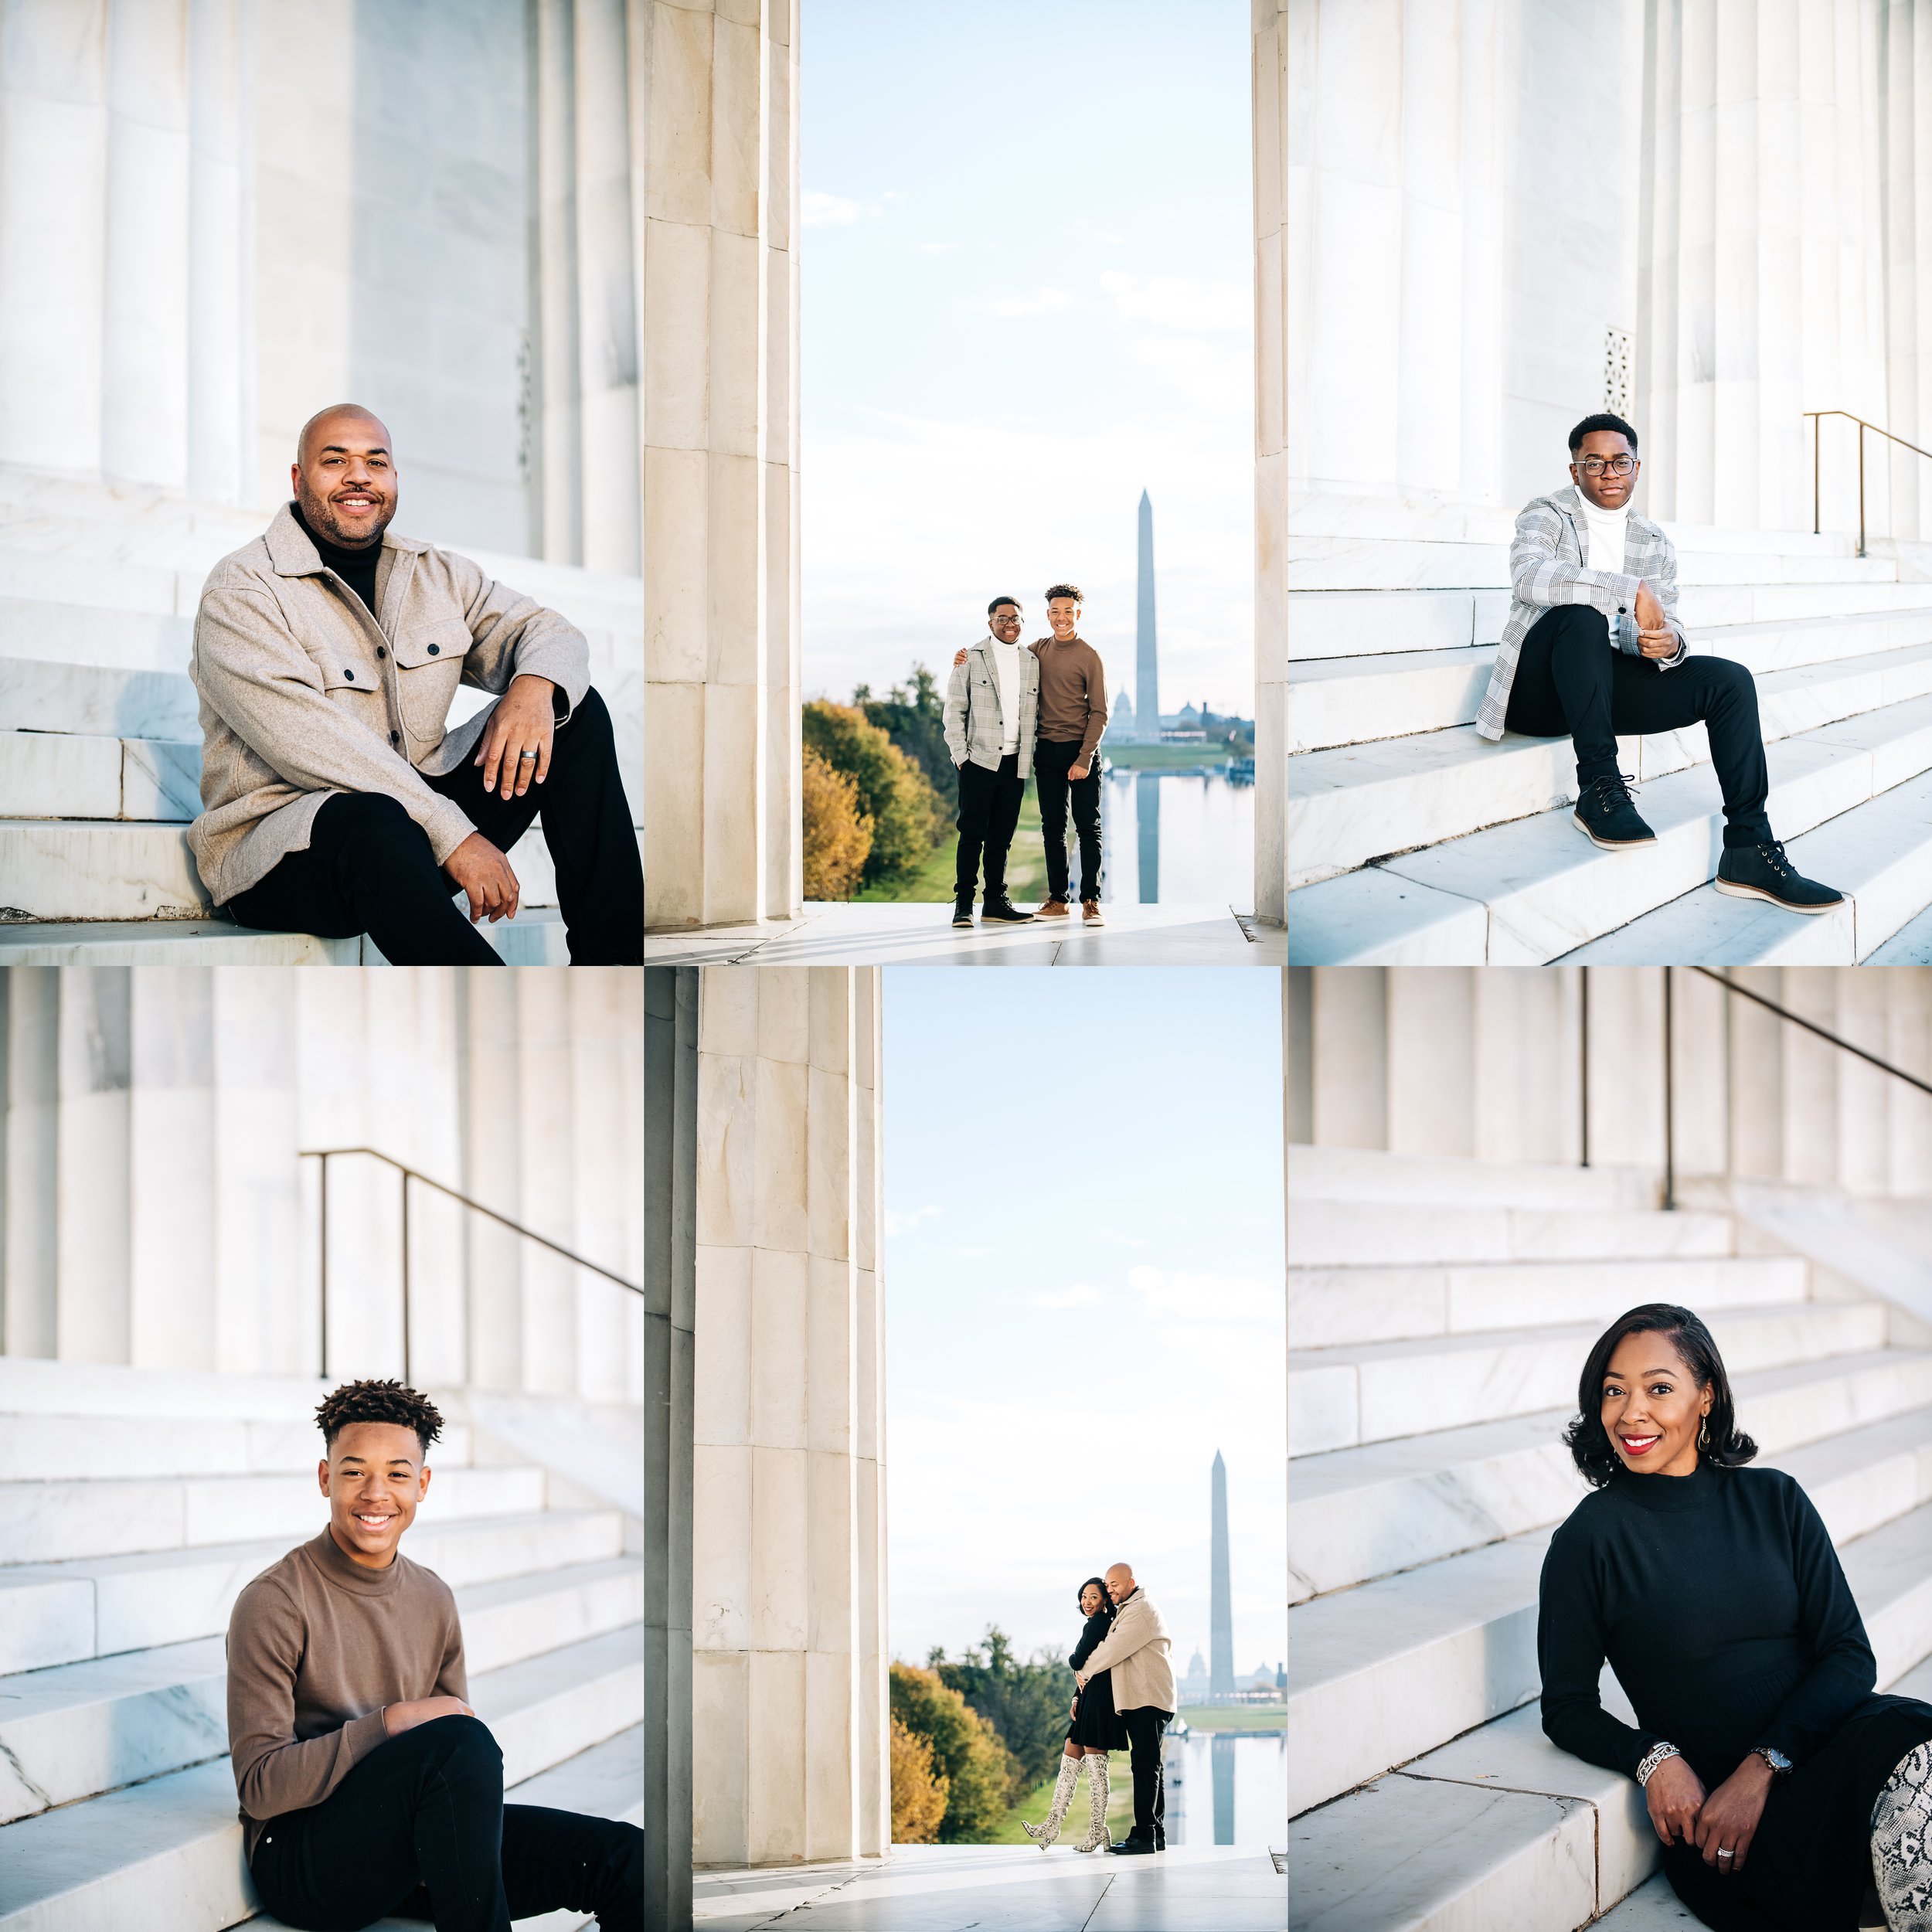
[(789, 1619), (1274, 76), (722, 834), (1761, 274)]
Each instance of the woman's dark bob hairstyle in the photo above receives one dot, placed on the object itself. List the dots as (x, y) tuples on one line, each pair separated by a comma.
[(1107, 1602), (1589, 1441)]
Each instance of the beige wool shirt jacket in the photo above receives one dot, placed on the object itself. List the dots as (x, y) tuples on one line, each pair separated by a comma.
[(303, 694), (1135, 1650)]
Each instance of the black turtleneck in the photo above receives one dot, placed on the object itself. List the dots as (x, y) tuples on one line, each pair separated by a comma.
[(1719, 1603), (356, 568)]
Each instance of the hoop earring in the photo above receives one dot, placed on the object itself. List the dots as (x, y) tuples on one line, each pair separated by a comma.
[(1704, 1434)]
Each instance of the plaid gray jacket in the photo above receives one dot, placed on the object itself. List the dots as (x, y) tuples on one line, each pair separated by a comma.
[(973, 722), (1547, 568)]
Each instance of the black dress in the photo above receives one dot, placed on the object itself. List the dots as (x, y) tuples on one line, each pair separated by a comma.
[(1720, 1604), (1096, 1723)]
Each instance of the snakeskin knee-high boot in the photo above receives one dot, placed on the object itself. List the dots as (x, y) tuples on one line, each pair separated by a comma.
[(1902, 1844), (1096, 1838), (1044, 1834)]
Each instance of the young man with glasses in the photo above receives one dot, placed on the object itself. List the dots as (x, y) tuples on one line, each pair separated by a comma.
[(1593, 648)]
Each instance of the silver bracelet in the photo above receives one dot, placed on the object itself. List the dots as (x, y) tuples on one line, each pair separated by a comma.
[(1652, 1758)]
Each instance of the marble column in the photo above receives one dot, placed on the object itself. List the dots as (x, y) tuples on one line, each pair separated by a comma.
[(721, 812), (670, 1155), (788, 1679), (1273, 77), (1762, 276)]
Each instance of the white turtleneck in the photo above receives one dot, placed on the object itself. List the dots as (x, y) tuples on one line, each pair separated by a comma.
[(1603, 533)]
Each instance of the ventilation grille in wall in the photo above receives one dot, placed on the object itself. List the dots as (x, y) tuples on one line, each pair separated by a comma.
[(1619, 388)]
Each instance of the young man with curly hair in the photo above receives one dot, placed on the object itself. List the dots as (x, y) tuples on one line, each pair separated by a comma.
[(368, 1785)]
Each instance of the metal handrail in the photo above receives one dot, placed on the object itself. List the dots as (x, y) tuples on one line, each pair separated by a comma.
[(326, 1154), (1863, 426)]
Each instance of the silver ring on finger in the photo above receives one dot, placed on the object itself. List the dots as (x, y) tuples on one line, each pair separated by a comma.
[(1723, 1854), (530, 755)]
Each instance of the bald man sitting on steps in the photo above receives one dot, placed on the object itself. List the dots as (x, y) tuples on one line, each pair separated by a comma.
[(336, 799)]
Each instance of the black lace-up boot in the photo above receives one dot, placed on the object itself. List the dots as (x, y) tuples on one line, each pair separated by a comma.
[(1762, 872), (1605, 816)]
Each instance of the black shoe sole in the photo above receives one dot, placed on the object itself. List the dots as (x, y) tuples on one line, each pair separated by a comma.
[(1008, 918), (1731, 890), (1612, 845), (966, 922)]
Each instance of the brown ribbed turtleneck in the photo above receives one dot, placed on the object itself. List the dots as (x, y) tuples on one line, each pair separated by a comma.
[(316, 1646)]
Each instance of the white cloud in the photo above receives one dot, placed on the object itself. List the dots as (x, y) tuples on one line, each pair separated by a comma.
[(904, 1220), (1042, 301), (1181, 302), (1208, 1298), (816, 210), (1079, 1294), (1091, 231), (935, 248)]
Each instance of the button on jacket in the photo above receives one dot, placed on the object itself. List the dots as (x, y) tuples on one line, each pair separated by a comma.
[(305, 695)]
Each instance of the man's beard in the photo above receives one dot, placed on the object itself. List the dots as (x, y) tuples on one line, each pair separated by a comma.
[(320, 518)]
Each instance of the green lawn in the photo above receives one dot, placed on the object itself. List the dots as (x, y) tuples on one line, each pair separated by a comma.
[(1236, 1717), (933, 883), (1034, 1807)]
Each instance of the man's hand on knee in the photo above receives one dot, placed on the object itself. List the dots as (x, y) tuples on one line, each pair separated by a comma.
[(516, 742), (479, 870), (398, 1718)]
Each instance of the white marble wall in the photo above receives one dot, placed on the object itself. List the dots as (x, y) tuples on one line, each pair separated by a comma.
[(1277, 70), (1490, 1063), (722, 814), (789, 1722), (156, 1211)]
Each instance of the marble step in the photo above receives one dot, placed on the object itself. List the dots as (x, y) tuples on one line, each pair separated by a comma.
[(1502, 1869), (1383, 1672), (1911, 945), (167, 1855), (1343, 1234), (1354, 700), (1385, 1507), (82, 1447), (1878, 854), (1353, 802), (52, 631), (1370, 1392), (61, 1613), (40, 694), (1331, 1307), (1369, 1174), (31, 1385), (80, 1729), (51, 774), (59, 576), (62, 869), (46, 1522), (1535, 889), (535, 937)]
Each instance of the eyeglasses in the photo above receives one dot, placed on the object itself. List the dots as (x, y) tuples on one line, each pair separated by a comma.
[(1617, 465)]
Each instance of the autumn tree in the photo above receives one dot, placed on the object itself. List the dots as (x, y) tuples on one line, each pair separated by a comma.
[(908, 817), (838, 830), (919, 1792), (966, 1752)]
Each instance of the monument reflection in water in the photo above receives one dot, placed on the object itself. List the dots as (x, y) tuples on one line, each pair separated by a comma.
[(1223, 1789), (1179, 836)]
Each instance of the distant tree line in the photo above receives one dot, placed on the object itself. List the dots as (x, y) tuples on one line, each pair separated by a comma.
[(880, 790), (971, 1737)]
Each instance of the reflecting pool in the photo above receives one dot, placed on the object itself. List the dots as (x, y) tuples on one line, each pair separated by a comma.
[(1178, 836)]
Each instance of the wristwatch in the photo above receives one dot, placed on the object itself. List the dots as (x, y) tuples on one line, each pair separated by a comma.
[(1772, 1755)]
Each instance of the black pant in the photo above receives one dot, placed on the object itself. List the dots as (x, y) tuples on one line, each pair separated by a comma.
[(369, 869), (1052, 762), (1570, 682), (1146, 1732), (419, 1826), (989, 811)]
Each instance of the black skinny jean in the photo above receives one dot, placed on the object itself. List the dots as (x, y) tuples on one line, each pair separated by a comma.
[(368, 867), (1570, 682), (1146, 1734), (1052, 762), (420, 1827), (988, 811)]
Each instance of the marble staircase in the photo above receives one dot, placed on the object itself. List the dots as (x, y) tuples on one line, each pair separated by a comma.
[(99, 741), (133, 1506), (1440, 1311), (1413, 840)]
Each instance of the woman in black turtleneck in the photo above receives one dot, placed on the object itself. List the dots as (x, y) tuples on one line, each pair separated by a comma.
[(1780, 1785)]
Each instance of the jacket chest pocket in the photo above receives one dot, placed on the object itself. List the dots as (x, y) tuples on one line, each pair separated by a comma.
[(429, 667)]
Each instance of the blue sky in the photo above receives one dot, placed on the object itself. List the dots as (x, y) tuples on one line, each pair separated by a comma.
[(1027, 295), (1084, 1286)]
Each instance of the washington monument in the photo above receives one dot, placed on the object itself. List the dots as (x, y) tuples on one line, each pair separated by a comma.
[(1221, 1623), (1146, 690)]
